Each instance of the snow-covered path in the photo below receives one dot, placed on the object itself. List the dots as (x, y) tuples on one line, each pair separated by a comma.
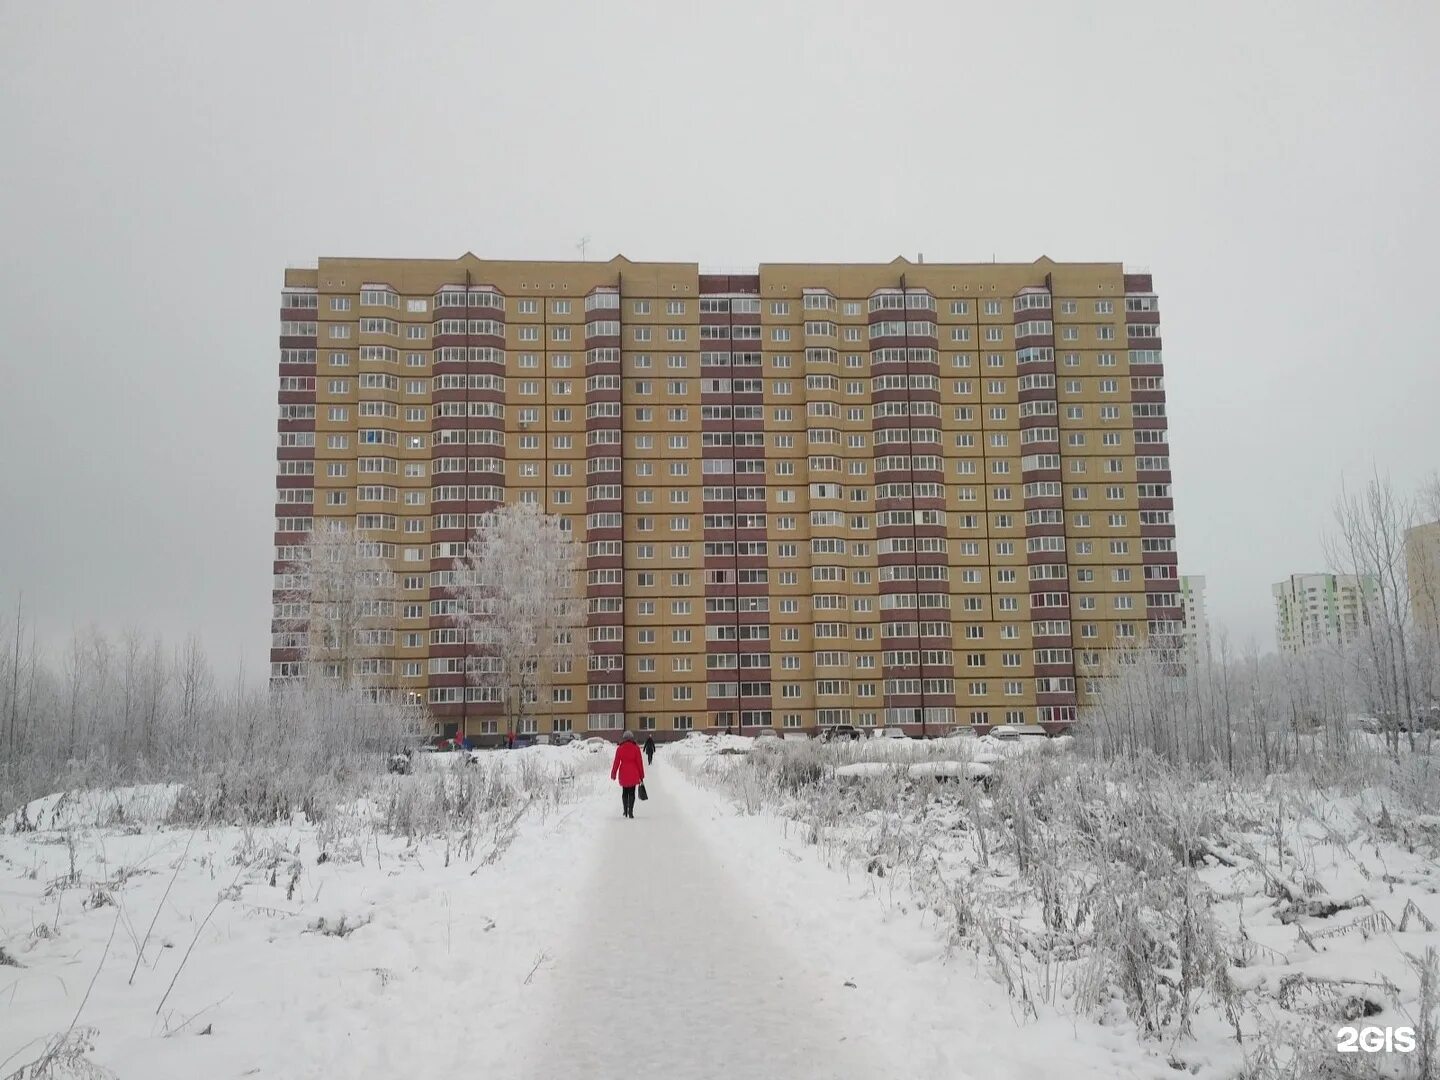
[(693, 942), (675, 973), (704, 943)]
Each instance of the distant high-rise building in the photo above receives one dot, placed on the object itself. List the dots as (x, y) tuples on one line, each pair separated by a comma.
[(1197, 620), (812, 494), (1320, 609), (1422, 572)]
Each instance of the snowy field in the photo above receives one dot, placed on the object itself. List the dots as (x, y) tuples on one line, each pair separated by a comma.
[(782, 911), (338, 948), (1217, 929), (692, 942)]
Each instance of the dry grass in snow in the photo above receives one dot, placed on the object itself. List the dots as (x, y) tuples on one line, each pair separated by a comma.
[(1232, 923)]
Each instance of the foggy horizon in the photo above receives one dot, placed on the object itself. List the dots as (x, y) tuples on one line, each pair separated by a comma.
[(163, 169)]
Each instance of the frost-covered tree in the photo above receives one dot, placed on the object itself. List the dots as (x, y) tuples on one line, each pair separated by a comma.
[(1369, 542), (1422, 553), (519, 602), (1250, 713), (106, 711), (195, 683), (340, 595)]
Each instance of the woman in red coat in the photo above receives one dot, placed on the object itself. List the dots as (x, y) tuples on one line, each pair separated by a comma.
[(629, 768)]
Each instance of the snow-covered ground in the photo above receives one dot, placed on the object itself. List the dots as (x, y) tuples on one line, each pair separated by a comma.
[(296, 950), (698, 940), (692, 941), (1208, 927), (712, 945)]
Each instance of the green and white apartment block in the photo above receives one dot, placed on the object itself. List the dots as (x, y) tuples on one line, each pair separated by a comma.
[(1197, 621), (1313, 610)]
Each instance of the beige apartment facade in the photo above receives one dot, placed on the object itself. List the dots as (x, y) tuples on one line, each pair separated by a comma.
[(905, 494)]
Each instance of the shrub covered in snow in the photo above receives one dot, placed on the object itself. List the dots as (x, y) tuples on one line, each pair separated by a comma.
[(114, 715)]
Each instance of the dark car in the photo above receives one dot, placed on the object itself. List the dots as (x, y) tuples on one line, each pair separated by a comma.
[(841, 731), (1424, 720)]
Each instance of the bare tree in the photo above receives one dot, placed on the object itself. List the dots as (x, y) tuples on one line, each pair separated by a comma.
[(13, 687), (1369, 543), (195, 683), (1256, 714), (518, 601), (116, 713), (74, 670), (87, 683), (1226, 701), (130, 690), (155, 683), (1422, 559), (343, 593)]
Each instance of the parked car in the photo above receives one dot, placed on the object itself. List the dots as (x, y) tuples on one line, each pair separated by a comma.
[(596, 745), (889, 733), (959, 733), (1424, 720), (795, 736), (840, 731), (1018, 731), (563, 738), (766, 735), (1378, 725)]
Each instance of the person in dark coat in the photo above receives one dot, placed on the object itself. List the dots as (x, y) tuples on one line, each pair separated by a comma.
[(649, 749), (629, 769)]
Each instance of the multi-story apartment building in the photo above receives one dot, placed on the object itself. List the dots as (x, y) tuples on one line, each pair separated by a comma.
[(1312, 610), (894, 494), (1422, 575), (1197, 620)]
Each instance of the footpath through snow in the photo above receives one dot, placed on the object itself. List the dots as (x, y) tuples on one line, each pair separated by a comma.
[(676, 971), (691, 943), (707, 944)]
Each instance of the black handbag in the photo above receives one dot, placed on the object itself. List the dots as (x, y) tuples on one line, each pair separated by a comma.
[(640, 791)]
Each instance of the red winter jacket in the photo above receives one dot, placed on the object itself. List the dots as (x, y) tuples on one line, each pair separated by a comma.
[(628, 764)]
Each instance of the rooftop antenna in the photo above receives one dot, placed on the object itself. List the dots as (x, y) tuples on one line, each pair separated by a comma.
[(582, 245)]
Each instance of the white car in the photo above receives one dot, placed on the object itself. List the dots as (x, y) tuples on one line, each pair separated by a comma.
[(889, 733), (765, 735), (1018, 731)]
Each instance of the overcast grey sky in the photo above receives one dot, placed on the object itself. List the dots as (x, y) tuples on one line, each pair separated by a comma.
[(1275, 166)]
